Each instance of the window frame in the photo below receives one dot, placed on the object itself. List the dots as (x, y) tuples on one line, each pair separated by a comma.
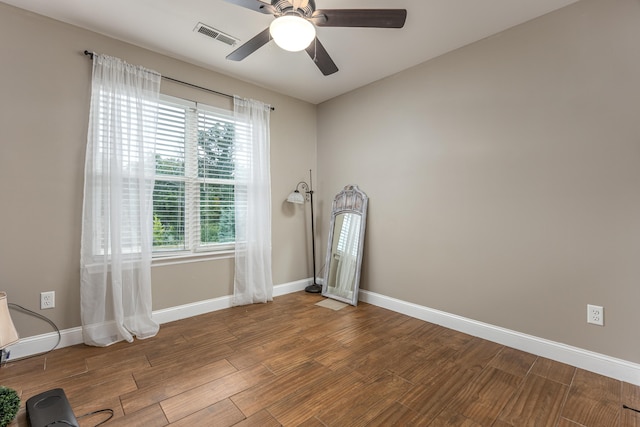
[(193, 251)]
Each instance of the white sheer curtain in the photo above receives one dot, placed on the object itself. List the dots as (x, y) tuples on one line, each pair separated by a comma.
[(253, 281), (115, 258)]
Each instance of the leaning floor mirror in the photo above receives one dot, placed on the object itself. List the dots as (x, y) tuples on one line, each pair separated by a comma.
[(345, 244)]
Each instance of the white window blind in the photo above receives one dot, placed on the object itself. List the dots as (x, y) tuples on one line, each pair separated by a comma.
[(193, 198)]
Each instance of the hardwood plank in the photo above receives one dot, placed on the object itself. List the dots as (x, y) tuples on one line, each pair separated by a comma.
[(449, 418), (202, 353), (593, 400), (259, 419), (592, 412), (422, 366), (186, 403), (64, 364), (476, 354), (207, 328), (267, 393), (630, 398), (33, 373), (245, 359), (282, 358), (553, 370), (193, 366), (484, 397), (538, 403), (255, 336), (140, 398), (429, 399), (336, 357), (309, 400), (327, 324), (82, 410), (150, 416), (312, 422), (630, 419), (450, 338), (394, 415), (385, 357), (595, 386), (416, 331), (567, 423), (424, 334), (21, 368), (220, 414), (631, 395), (120, 352), (354, 336), (372, 397), (513, 361)]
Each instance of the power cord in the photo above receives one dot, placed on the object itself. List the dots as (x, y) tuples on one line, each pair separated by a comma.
[(69, 423), (41, 317), (110, 411)]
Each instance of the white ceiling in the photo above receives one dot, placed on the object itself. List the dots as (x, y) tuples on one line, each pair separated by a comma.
[(363, 55)]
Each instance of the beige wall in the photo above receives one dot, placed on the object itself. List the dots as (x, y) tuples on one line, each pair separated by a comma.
[(45, 83), (504, 178)]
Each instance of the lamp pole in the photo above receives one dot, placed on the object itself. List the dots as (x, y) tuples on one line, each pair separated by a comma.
[(313, 288)]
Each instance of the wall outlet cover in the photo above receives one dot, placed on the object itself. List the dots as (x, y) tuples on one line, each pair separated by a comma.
[(595, 315), (47, 300)]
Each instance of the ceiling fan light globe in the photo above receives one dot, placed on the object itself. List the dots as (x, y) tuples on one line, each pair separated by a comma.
[(292, 33)]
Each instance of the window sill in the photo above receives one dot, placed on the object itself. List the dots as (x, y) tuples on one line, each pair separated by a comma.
[(181, 258)]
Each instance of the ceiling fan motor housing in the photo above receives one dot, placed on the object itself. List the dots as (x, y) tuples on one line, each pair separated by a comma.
[(285, 7)]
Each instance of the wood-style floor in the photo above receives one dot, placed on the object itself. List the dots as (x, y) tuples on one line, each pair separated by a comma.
[(292, 362)]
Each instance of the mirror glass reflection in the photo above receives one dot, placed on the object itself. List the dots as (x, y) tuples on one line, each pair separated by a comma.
[(344, 258), (345, 244)]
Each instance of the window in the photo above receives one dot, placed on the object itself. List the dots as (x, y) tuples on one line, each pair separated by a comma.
[(193, 197)]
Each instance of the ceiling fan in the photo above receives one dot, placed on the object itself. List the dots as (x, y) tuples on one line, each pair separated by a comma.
[(302, 14)]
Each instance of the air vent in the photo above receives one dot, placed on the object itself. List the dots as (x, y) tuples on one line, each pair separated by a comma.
[(215, 34)]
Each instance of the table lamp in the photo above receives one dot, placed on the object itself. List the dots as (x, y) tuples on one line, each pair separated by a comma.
[(8, 333)]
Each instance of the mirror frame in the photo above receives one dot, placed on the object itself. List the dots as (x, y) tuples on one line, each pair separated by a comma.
[(350, 200)]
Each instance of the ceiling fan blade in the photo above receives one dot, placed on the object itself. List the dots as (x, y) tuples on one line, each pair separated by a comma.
[(373, 18), (255, 5), (323, 61), (251, 46)]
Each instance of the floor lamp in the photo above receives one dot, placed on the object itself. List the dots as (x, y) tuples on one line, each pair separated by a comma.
[(297, 198)]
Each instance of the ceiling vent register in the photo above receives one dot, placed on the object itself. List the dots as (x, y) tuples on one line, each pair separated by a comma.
[(215, 34)]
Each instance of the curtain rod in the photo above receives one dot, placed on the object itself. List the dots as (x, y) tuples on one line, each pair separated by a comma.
[(90, 55)]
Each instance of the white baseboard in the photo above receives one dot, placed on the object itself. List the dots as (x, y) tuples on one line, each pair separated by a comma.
[(41, 343), (595, 362), (584, 359), (201, 307)]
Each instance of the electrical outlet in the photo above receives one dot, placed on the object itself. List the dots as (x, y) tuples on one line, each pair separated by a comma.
[(47, 300), (595, 314)]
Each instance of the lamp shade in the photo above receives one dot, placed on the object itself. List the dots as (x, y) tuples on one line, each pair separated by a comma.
[(295, 197), (292, 33), (8, 333)]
